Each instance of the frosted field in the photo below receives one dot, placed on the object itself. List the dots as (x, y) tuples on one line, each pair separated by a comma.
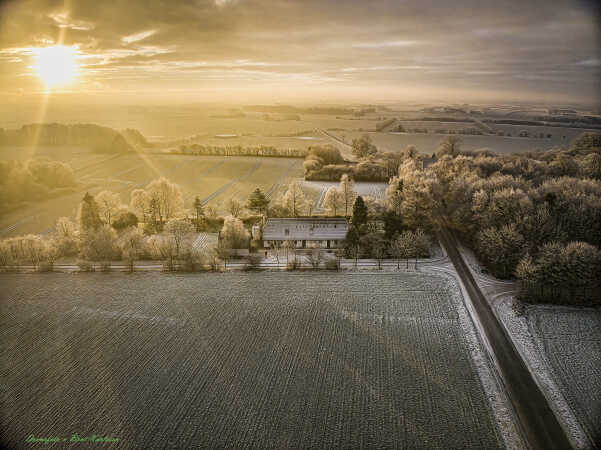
[(268, 360), (570, 340), (317, 190), (428, 143)]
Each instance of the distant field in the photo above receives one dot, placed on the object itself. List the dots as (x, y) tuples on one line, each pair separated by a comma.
[(246, 360), (212, 178), (376, 190), (428, 143), (570, 339)]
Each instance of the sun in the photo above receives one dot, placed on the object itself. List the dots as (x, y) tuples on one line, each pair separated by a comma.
[(56, 65)]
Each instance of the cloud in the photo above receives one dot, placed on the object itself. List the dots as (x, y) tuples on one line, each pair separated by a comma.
[(137, 36), (594, 62), (501, 44), (385, 44), (63, 21)]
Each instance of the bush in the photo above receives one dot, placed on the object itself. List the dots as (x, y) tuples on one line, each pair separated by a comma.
[(192, 261), (125, 220)]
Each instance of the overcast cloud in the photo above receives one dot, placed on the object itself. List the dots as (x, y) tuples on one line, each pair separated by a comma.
[(530, 48)]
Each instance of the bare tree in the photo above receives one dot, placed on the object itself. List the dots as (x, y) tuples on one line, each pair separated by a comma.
[(108, 204), (131, 243), (234, 207), (347, 190), (294, 199), (233, 234)]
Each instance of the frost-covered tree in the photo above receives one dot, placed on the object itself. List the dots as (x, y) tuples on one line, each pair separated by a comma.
[(179, 230), (449, 146), (347, 190), (165, 199), (99, 245), (108, 204), (363, 147), (501, 248), (333, 200), (139, 202), (233, 234), (402, 247), (294, 199), (132, 244), (394, 195), (65, 237)]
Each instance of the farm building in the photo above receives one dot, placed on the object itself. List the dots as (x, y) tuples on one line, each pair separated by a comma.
[(305, 232)]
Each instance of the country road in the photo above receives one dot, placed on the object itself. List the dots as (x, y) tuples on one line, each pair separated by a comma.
[(539, 425)]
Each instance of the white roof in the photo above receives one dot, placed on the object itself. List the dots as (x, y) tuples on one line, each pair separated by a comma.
[(305, 228)]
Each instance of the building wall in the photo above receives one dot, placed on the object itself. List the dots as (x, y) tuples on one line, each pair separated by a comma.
[(308, 244)]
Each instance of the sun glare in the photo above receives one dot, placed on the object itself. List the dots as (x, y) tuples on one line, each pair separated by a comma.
[(56, 65)]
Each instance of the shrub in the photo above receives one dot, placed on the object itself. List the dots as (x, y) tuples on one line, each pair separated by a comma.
[(124, 220)]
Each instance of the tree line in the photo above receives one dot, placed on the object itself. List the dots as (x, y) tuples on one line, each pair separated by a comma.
[(238, 150), (327, 164), (534, 216), (36, 179)]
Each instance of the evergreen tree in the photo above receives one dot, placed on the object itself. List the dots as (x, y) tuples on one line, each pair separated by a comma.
[(89, 216), (198, 209), (360, 212), (393, 224), (258, 202)]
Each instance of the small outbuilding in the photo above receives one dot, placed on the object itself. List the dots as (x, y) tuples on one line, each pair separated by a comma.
[(305, 232)]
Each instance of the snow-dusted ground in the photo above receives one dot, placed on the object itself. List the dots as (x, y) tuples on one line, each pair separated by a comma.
[(205, 241), (530, 340), (479, 349), (377, 190), (530, 343)]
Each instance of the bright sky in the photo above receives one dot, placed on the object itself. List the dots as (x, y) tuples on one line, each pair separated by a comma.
[(304, 49)]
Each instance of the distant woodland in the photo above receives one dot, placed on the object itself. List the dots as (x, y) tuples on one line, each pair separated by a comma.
[(94, 137), (33, 180)]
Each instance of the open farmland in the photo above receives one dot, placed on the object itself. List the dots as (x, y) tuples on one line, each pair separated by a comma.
[(314, 361), (428, 142), (376, 190), (214, 179), (570, 340)]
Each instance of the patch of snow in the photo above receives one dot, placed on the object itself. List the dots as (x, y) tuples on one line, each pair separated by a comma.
[(524, 341)]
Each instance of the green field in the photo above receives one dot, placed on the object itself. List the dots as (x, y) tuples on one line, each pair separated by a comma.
[(570, 339), (214, 179), (241, 360)]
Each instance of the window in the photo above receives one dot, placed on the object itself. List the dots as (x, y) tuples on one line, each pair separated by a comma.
[(287, 232)]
